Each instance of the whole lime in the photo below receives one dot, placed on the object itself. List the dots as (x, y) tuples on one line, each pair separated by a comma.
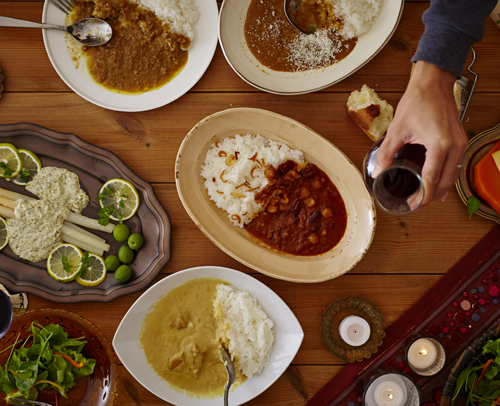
[(111, 263), (135, 241), (123, 273), (125, 254), (121, 232)]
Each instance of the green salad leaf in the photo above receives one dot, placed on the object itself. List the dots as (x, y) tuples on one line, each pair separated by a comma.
[(481, 380), (47, 359)]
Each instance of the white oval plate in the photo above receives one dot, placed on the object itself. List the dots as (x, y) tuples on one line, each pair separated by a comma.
[(235, 241), (288, 332), (232, 39), (201, 53)]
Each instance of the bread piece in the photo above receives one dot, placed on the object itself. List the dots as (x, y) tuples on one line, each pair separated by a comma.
[(372, 114)]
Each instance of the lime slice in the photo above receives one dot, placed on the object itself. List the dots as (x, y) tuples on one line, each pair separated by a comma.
[(31, 164), (11, 162), (95, 273), (57, 259), (4, 236), (122, 196)]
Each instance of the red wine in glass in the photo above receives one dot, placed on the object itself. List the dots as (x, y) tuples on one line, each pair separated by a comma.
[(398, 189)]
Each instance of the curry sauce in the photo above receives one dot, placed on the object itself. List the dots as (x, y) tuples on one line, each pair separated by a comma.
[(142, 55), (179, 337)]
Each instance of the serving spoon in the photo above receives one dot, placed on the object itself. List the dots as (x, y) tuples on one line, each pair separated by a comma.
[(231, 374), (307, 23), (89, 31)]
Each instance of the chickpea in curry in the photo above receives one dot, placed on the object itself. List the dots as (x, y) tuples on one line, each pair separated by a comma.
[(304, 211)]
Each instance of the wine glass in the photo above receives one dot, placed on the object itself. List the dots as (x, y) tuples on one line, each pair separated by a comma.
[(398, 189), (6, 313)]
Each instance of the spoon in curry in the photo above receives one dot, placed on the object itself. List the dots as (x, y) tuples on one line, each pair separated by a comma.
[(304, 21), (231, 374), (89, 31)]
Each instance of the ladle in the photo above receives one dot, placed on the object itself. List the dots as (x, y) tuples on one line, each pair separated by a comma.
[(89, 31)]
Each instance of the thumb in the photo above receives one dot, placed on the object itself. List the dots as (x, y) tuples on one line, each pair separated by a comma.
[(386, 152)]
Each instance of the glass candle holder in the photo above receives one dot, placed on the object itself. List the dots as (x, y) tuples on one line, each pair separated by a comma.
[(398, 189), (391, 389), (6, 313), (426, 356)]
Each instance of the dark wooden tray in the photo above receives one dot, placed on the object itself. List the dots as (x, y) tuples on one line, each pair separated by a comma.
[(94, 166)]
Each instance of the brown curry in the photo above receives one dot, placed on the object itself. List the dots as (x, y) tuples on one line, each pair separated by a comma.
[(142, 54), (304, 211), (282, 47)]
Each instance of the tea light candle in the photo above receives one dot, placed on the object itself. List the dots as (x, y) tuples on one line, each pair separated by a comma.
[(422, 354), (389, 393), (354, 330)]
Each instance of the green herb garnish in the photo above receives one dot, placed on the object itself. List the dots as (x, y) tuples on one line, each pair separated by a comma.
[(66, 265), (473, 204), (7, 172), (47, 359), (107, 211), (25, 176), (85, 263)]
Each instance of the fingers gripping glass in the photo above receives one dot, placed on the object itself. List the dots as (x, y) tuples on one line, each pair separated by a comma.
[(398, 189)]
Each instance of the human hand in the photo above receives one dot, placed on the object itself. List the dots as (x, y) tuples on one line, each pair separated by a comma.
[(427, 115)]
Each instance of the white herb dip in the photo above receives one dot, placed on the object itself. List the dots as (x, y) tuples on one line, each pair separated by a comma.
[(36, 229)]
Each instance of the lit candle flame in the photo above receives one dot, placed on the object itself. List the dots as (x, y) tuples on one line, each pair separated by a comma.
[(390, 396), (423, 352)]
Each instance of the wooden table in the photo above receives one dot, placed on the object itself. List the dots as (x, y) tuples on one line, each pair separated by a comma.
[(408, 254)]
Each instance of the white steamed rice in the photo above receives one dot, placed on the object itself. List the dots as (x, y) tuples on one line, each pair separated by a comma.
[(238, 202), (247, 328), (181, 15), (358, 15)]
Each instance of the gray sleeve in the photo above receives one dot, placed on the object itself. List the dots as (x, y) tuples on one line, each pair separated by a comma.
[(451, 28)]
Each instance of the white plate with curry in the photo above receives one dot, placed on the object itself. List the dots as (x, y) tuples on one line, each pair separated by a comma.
[(76, 76), (235, 241), (235, 48), (288, 337)]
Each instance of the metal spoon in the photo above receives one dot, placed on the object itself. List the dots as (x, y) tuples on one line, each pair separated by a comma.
[(298, 19), (89, 31), (231, 374)]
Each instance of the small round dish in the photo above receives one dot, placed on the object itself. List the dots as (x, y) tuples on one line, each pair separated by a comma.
[(464, 360), (98, 389), (232, 39), (200, 55), (352, 306), (478, 147)]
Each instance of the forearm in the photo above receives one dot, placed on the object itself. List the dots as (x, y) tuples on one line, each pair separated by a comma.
[(451, 28)]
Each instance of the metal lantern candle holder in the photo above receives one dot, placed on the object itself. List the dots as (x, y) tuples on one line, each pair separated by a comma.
[(426, 346)]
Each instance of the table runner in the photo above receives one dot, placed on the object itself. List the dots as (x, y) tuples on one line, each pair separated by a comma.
[(459, 307)]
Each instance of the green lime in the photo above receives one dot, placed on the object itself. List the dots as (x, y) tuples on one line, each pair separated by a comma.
[(121, 232), (125, 254), (135, 241), (123, 273), (111, 263)]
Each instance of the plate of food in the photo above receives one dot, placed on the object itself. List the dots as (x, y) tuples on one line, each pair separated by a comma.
[(266, 51), (189, 315), (474, 377), (72, 344), (159, 50), (275, 195), (479, 178), (73, 220)]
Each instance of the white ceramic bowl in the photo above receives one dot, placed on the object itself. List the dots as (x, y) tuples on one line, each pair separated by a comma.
[(232, 39), (235, 241), (288, 332)]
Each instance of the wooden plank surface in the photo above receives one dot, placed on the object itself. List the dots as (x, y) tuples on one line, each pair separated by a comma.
[(407, 256)]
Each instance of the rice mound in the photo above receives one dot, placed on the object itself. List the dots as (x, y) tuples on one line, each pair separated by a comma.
[(245, 328), (358, 16), (180, 15), (226, 190)]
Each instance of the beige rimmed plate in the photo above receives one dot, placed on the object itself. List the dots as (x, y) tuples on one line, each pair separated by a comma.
[(234, 241), (232, 40)]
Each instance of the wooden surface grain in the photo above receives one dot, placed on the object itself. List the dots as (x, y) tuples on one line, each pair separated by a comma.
[(407, 256)]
